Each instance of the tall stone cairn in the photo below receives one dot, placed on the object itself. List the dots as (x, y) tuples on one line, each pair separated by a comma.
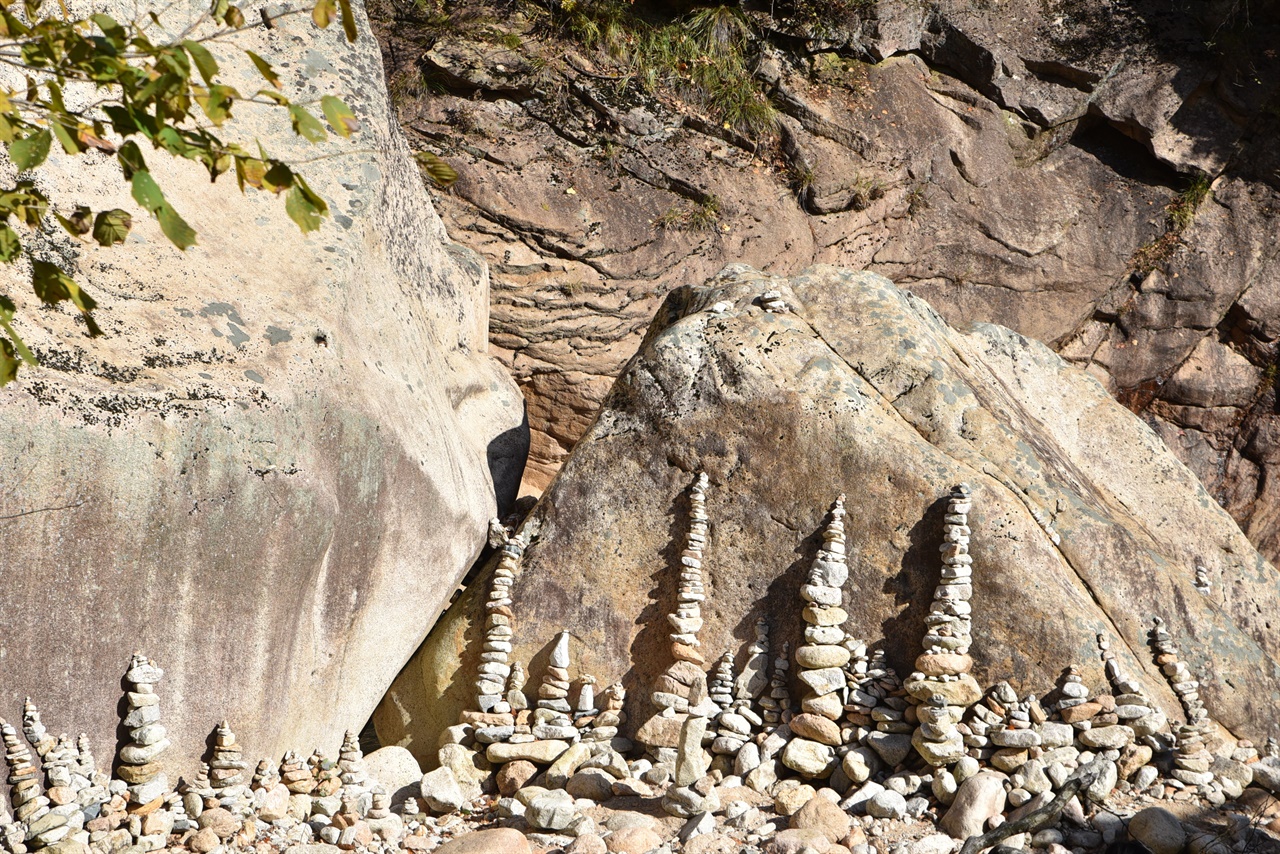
[(687, 620), (137, 757), (823, 653), (943, 668), (351, 763), (29, 803), (495, 666), (683, 684)]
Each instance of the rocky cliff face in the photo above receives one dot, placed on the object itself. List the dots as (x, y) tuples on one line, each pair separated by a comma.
[(1026, 164), (1083, 522), (272, 471)]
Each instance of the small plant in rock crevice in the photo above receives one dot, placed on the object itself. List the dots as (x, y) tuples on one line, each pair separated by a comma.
[(1179, 214)]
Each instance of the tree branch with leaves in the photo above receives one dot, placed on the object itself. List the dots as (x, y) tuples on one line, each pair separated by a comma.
[(166, 92)]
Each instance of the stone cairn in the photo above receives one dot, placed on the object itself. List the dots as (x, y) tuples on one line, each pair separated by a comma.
[(227, 766), (29, 803), (494, 660), (296, 774), (551, 719), (1133, 707), (777, 703), (687, 619), (943, 668), (137, 758), (1192, 758), (754, 678), (683, 685), (822, 657), (32, 728)]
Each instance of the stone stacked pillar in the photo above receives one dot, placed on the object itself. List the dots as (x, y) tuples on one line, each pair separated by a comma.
[(60, 764), (1133, 707), (1181, 680), (821, 658), (495, 665), (351, 763), (611, 714), (777, 703), (754, 678), (943, 668), (137, 764), (683, 684), (227, 766), (32, 728), (551, 719), (28, 802), (296, 775), (720, 688)]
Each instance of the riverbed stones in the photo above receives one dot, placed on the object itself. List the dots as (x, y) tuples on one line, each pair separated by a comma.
[(147, 739)]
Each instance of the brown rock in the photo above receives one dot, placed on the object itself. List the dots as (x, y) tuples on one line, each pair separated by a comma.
[(204, 841), (500, 840), (513, 775), (221, 821), (825, 816), (587, 843), (961, 414), (632, 840), (1082, 712), (820, 729)]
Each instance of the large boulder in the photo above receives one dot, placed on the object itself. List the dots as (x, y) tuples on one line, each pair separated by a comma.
[(1083, 522), (271, 472)]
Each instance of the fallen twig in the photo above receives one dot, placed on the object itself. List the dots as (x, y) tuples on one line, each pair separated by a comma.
[(1036, 819)]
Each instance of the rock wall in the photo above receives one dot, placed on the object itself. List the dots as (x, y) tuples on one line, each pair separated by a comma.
[(863, 389), (272, 471), (1009, 164)]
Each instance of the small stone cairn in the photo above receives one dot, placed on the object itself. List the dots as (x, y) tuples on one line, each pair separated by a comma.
[(227, 765), (147, 737), (33, 729), (822, 657), (551, 719), (943, 668)]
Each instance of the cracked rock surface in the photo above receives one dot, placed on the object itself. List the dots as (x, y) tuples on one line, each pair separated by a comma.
[(1010, 164), (861, 388)]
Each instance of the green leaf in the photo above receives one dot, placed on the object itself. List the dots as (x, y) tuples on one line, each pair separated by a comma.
[(348, 20), (207, 65), (10, 245), (264, 68), (278, 177), (7, 312), (112, 227), (53, 286), (70, 144), (340, 117), (131, 162), (175, 227), (301, 206), (8, 363), (217, 102), (146, 191), (323, 12), (440, 173), (306, 125), (30, 151), (114, 33)]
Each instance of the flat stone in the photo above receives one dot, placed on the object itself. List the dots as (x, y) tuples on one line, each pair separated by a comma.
[(823, 615), (496, 840), (1107, 737), (1016, 738), (816, 656), (823, 681), (539, 752)]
